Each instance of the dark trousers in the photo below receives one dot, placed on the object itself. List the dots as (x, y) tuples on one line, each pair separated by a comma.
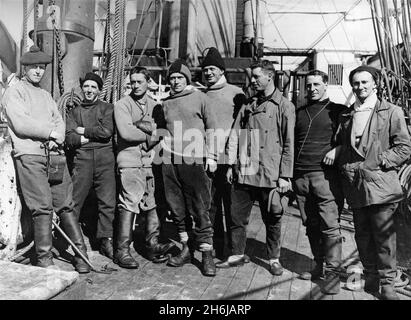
[(242, 200), (375, 236), (94, 168), (220, 198), (187, 189), (318, 194)]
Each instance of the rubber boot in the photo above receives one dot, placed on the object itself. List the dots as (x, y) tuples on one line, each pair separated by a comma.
[(106, 248), (71, 227), (122, 255), (155, 251), (333, 252), (182, 258), (43, 240), (208, 266), (388, 292)]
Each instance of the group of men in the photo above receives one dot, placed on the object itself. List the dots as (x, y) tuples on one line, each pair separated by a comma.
[(212, 154)]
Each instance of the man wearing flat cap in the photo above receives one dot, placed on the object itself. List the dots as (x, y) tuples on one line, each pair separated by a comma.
[(89, 135), (226, 99), (37, 131), (373, 144)]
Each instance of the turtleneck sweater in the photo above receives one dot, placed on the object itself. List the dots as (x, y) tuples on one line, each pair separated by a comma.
[(313, 141)]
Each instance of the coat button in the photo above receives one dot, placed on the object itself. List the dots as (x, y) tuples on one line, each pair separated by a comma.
[(261, 147)]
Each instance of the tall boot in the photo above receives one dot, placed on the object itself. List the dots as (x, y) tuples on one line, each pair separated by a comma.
[(317, 250), (208, 265), (182, 258), (155, 251), (333, 252), (122, 255), (71, 227), (43, 240)]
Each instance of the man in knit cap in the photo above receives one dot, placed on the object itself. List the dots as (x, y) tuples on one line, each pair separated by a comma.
[(89, 132), (373, 144), (226, 100), (316, 180), (37, 131), (188, 156), (135, 126)]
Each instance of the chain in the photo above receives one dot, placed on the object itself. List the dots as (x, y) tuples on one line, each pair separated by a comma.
[(58, 49)]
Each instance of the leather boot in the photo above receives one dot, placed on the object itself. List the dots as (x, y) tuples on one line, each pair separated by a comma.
[(43, 240), (372, 282), (182, 258), (122, 255), (158, 252), (388, 293), (106, 248), (208, 265), (71, 227), (333, 252)]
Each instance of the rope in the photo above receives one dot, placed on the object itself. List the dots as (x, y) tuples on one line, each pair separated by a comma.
[(25, 20), (68, 101), (36, 21), (59, 53), (22, 251)]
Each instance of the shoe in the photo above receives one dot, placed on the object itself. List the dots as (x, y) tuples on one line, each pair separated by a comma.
[(230, 264), (122, 255), (208, 266), (158, 253), (316, 273), (106, 248), (276, 269), (388, 293), (182, 258)]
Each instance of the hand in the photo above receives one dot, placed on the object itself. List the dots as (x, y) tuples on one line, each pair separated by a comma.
[(80, 130), (229, 175), (146, 126), (211, 165), (52, 146), (284, 185), (331, 155), (83, 140), (57, 137)]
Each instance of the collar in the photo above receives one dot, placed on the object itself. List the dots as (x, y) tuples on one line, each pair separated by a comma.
[(222, 82), (368, 104), (89, 104)]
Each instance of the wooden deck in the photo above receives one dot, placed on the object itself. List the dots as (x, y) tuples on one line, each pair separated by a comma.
[(249, 282)]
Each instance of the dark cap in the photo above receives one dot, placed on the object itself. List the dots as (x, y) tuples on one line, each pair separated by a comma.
[(35, 56), (94, 77), (213, 58), (179, 66), (371, 70)]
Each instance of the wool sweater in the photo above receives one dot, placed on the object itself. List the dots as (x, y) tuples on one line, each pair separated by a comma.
[(131, 141), (97, 120), (31, 116), (313, 141), (190, 121), (226, 100)]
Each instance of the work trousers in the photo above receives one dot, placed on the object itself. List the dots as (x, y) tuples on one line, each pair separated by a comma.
[(187, 190), (375, 236), (242, 200), (95, 168)]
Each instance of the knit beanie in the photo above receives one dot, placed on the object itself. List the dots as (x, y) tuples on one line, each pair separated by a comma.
[(213, 58), (373, 71), (94, 77), (179, 66), (35, 56)]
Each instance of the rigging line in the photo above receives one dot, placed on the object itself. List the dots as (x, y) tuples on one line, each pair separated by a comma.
[(276, 28), (343, 27), (291, 9)]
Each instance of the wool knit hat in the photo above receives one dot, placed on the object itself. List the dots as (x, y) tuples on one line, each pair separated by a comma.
[(35, 56), (179, 66), (94, 77), (213, 58), (373, 71)]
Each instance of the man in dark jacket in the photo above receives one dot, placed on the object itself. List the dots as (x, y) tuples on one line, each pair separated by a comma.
[(89, 135), (316, 181), (373, 144), (261, 146)]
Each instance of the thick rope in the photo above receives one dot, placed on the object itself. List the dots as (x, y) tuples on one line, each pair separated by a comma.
[(59, 53), (25, 20), (36, 21)]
